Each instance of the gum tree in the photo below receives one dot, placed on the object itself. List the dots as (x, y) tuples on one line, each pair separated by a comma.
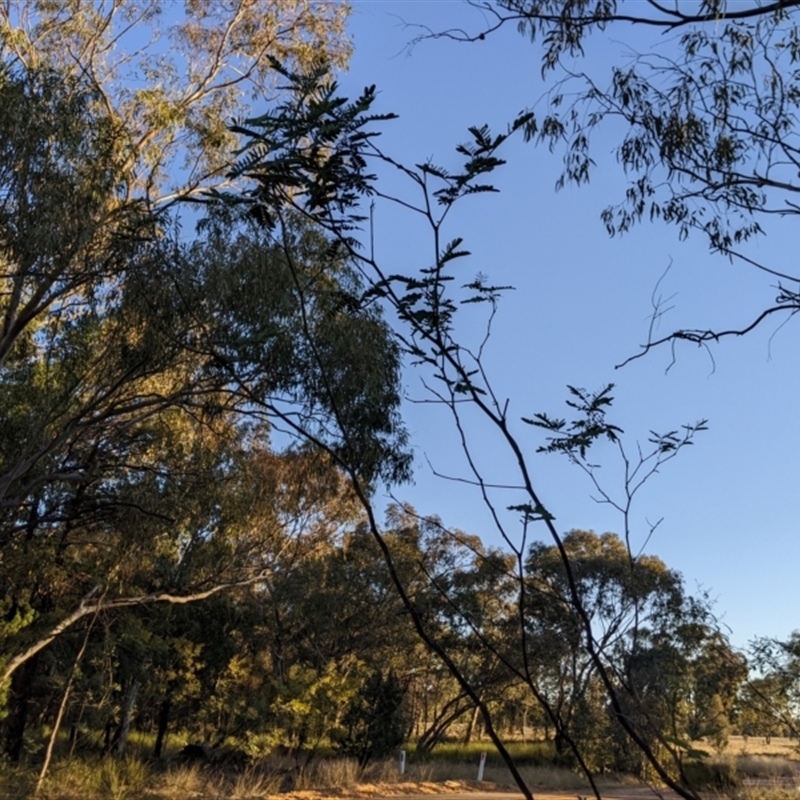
[(169, 80), (139, 372), (705, 95)]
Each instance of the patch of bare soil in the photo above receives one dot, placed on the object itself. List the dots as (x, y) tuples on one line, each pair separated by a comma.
[(469, 790), (379, 790)]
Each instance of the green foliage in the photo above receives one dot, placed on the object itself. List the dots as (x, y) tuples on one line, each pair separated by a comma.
[(140, 375), (171, 82), (714, 118), (768, 705), (615, 613), (678, 678), (310, 147), (534, 754), (580, 434), (374, 725), (143, 384), (704, 115)]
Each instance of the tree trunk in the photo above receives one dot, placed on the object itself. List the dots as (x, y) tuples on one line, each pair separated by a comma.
[(163, 721), (121, 736), (471, 727), (51, 743), (18, 705), (73, 739), (61, 710)]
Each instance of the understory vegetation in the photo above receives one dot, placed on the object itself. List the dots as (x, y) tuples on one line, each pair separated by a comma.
[(229, 775)]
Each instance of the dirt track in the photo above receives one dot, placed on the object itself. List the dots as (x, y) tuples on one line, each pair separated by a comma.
[(624, 793), (470, 790), (613, 794)]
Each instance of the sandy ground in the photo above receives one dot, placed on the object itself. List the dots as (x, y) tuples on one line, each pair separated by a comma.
[(469, 790)]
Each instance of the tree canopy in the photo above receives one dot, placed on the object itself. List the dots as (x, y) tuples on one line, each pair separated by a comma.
[(172, 82), (142, 378), (702, 99)]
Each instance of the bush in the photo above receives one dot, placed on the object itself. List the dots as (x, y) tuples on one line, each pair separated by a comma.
[(712, 774), (374, 725)]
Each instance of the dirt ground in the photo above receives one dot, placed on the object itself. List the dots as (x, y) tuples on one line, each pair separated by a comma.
[(469, 790), (778, 748)]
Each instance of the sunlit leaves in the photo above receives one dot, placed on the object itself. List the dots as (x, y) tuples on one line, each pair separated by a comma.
[(172, 81)]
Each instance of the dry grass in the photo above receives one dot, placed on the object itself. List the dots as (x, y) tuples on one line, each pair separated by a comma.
[(766, 793), (334, 773), (757, 746), (441, 771), (767, 766), (180, 782), (16, 787), (192, 781), (132, 779), (252, 784), (747, 777), (110, 779)]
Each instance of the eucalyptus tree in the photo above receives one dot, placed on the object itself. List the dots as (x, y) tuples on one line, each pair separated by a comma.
[(771, 702), (170, 78), (705, 97), (140, 374), (128, 381), (624, 601)]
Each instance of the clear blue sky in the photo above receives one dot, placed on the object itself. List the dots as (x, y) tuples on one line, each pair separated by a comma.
[(730, 503)]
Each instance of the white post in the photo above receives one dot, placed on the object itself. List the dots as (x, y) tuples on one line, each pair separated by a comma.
[(402, 762), (481, 766)]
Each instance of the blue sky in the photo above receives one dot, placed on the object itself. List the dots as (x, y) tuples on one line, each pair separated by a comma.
[(580, 306)]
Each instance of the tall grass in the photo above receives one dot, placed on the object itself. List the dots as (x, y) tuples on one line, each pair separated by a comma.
[(131, 778), (767, 766), (110, 779), (524, 753)]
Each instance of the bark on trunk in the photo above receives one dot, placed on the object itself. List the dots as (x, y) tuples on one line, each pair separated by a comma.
[(121, 736), (18, 705), (471, 727), (163, 721)]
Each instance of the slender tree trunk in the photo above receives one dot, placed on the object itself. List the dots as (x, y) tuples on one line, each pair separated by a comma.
[(62, 709), (163, 721), (73, 740), (121, 736), (19, 702), (54, 734), (471, 726)]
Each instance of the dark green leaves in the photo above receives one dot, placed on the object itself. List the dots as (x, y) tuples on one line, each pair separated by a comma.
[(480, 160), (674, 440), (310, 151), (580, 434)]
